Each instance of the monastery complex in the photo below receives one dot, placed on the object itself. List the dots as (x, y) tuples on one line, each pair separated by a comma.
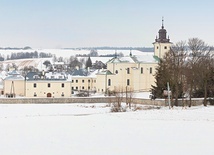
[(131, 72)]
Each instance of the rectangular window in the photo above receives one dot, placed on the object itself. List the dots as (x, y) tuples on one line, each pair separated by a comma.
[(150, 71), (89, 81), (76, 88), (76, 81), (141, 70), (72, 81), (128, 70), (83, 81), (128, 82), (35, 94), (88, 87), (63, 85), (83, 87), (49, 85), (34, 85), (62, 94), (157, 47), (72, 88), (109, 82)]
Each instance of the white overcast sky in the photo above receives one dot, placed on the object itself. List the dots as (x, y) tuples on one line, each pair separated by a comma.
[(92, 23)]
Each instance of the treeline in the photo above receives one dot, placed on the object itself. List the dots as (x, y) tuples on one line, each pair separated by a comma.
[(15, 48), (144, 49), (94, 53), (26, 55), (189, 69)]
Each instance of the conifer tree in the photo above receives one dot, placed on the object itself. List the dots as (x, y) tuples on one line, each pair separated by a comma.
[(88, 63)]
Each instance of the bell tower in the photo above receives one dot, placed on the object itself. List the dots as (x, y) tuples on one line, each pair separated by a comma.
[(161, 44)]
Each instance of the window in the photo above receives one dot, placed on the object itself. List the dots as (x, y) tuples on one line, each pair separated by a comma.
[(157, 47), (128, 70), (89, 81), (34, 85), (83, 87), (94, 81), (141, 70), (165, 47), (62, 94), (150, 71), (116, 72), (35, 94), (72, 81), (76, 88), (109, 82), (72, 88), (76, 81), (83, 81), (128, 82), (63, 85), (49, 85), (88, 87)]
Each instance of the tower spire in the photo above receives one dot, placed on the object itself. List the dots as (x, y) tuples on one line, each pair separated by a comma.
[(162, 23)]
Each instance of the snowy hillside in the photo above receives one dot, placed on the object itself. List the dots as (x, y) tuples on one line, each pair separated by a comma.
[(79, 129), (70, 52)]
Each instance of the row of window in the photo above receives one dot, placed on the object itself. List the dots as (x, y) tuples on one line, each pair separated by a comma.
[(83, 81), (49, 85), (141, 70), (72, 88), (165, 47), (127, 82)]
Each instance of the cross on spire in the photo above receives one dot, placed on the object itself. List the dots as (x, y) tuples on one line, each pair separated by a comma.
[(162, 23)]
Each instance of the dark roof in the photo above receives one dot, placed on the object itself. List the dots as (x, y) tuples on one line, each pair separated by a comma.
[(31, 75), (79, 72)]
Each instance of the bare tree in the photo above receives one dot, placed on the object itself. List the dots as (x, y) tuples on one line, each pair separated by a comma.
[(129, 96), (199, 53)]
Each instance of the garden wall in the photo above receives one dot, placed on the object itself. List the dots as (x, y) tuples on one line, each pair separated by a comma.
[(90, 100)]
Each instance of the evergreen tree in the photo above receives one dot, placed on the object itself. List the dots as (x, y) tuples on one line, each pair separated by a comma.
[(88, 63)]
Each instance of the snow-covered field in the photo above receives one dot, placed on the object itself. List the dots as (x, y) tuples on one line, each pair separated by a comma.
[(89, 129)]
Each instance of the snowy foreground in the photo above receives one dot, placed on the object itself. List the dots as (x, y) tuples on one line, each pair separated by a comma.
[(90, 129)]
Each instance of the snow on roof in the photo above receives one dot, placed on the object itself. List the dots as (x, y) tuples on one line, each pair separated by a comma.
[(12, 77), (126, 59), (103, 72), (93, 73), (146, 59), (59, 63)]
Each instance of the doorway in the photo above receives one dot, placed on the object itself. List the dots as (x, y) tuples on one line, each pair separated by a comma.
[(49, 95)]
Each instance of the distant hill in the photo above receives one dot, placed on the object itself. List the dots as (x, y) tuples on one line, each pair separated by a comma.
[(143, 49)]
